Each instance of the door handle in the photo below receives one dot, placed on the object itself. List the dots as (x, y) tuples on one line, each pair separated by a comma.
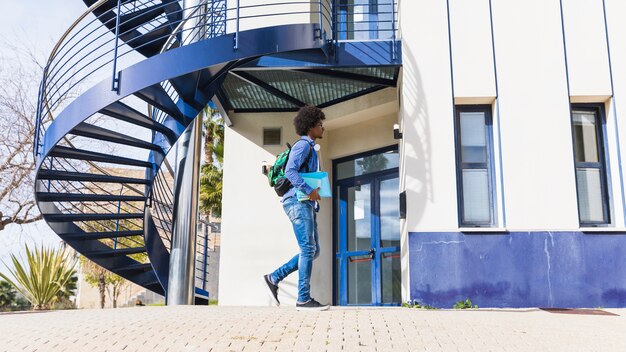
[(365, 258)]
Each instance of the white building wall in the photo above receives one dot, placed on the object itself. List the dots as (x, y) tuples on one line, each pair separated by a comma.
[(472, 52), (616, 107), (537, 152), (587, 55), (427, 113)]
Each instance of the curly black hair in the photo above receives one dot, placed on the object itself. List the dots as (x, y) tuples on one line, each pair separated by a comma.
[(308, 116)]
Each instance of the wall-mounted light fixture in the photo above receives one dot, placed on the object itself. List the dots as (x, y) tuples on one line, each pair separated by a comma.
[(396, 132), (403, 205)]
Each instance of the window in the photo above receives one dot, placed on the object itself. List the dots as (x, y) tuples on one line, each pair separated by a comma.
[(271, 136), (365, 19), (589, 158), (474, 154)]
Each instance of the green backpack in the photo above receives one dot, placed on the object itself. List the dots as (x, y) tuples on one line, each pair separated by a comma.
[(276, 173)]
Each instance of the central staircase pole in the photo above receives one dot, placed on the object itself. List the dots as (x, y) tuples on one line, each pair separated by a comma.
[(181, 282)]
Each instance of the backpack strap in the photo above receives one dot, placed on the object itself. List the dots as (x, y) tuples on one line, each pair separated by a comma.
[(305, 164), (306, 161)]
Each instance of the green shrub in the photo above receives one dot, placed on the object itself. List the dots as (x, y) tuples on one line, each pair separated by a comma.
[(467, 304), (417, 305), (47, 271)]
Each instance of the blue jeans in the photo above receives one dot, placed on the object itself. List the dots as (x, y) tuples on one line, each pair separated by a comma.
[(304, 221)]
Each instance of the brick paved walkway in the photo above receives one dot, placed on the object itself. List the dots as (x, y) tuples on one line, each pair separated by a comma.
[(284, 329)]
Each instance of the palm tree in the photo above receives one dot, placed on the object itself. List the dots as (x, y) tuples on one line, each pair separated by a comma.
[(211, 190), (213, 137), (211, 171), (48, 271)]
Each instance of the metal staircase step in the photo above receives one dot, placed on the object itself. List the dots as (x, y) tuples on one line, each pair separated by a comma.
[(149, 44), (116, 252), (141, 268), (155, 95), (79, 154), (90, 131), (135, 19), (173, 11), (91, 217), (106, 12), (90, 236), (80, 176), (124, 112), (151, 283), (77, 197)]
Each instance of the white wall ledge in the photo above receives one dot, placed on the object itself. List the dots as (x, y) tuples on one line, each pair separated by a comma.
[(602, 229), (483, 229)]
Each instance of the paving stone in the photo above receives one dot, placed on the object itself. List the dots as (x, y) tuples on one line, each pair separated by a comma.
[(182, 328)]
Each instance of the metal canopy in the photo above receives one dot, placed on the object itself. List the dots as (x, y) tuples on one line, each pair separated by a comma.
[(276, 90)]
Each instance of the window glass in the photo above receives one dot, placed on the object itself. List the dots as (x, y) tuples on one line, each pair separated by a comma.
[(591, 178), (365, 19), (476, 196), (390, 278), (590, 200), (473, 137), (368, 164), (474, 153), (360, 280), (359, 215), (585, 137), (389, 213)]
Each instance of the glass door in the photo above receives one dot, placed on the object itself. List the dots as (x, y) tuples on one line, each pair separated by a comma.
[(367, 231)]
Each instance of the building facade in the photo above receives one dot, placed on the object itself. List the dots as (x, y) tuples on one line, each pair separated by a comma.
[(506, 186), (503, 182)]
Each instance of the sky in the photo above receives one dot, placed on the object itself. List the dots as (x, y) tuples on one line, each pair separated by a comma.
[(34, 24), (38, 22)]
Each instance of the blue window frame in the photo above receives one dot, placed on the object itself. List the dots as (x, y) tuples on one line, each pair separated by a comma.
[(591, 164), (474, 157)]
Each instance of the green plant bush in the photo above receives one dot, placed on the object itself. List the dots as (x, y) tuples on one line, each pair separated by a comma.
[(417, 305), (467, 304), (45, 273)]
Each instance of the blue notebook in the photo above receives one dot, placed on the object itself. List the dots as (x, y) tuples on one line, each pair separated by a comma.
[(315, 180)]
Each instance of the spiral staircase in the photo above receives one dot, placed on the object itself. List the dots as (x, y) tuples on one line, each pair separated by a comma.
[(103, 180)]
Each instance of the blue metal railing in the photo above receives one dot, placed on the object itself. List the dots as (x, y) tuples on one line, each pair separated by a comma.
[(89, 49)]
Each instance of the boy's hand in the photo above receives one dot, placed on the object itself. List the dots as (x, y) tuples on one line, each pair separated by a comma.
[(314, 195)]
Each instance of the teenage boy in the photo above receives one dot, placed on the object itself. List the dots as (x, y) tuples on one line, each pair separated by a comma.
[(303, 214)]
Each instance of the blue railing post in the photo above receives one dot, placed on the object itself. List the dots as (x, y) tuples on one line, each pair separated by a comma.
[(335, 30), (51, 168), (206, 242), (38, 117), (393, 30), (237, 28), (115, 84), (117, 221), (319, 3)]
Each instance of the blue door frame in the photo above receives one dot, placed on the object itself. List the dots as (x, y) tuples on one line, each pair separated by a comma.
[(376, 253)]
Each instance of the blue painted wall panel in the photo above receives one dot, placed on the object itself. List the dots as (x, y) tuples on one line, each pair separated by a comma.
[(518, 269)]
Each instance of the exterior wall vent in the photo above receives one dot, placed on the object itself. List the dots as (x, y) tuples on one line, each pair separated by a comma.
[(271, 136)]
